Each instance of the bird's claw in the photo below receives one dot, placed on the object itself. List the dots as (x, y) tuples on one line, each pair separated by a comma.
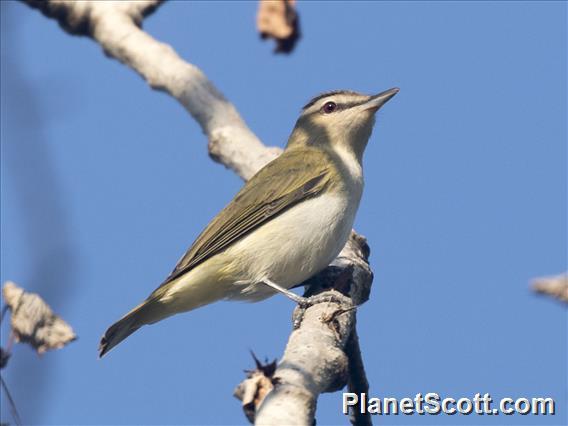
[(307, 302)]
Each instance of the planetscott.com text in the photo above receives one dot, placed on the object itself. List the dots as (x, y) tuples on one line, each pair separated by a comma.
[(433, 403)]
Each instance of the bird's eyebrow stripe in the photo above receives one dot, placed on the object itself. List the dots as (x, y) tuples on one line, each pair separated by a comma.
[(325, 95)]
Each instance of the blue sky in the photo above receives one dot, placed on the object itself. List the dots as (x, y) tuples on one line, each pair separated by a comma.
[(105, 183)]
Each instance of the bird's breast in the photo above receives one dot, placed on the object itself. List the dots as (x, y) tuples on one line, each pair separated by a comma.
[(298, 243)]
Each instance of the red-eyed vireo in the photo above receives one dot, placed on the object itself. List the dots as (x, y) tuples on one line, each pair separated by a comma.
[(287, 223)]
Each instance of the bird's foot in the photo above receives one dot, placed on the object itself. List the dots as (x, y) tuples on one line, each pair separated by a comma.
[(327, 297), (306, 302)]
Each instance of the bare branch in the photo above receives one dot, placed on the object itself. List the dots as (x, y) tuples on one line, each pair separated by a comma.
[(556, 286), (357, 382), (314, 362), (34, 322), (13, 408), (115, 26)]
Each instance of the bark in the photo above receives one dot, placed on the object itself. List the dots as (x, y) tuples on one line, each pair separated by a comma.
[(315, 359)]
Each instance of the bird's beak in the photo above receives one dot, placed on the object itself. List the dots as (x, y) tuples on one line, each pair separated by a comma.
[(377, 101)]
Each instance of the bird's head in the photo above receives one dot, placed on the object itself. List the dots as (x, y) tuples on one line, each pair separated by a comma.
[(339, 119)]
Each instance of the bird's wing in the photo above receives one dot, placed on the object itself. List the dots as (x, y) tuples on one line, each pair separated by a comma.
[(270, 192)]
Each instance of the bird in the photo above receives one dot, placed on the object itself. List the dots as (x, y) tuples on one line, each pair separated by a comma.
[(286, 224)]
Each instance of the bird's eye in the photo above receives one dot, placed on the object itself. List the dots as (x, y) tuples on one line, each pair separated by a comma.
[(329, 107)]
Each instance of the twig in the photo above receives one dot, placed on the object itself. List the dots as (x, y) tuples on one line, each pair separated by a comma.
[(357, 382), (4, 310), (13, 408), (556, 286), (259, 382)]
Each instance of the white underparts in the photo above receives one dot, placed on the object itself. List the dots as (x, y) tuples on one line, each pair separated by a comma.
[(287, 250)]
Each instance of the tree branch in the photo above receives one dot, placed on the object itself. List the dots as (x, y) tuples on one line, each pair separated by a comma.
[(315, 359), (13, 408), (115, 25), (556, 286), (322, 354)]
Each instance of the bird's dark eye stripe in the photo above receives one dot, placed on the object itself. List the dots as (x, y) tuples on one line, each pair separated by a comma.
[(339, 107), (328, 94)]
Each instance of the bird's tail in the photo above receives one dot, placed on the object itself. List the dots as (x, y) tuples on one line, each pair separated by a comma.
[(146, 313)]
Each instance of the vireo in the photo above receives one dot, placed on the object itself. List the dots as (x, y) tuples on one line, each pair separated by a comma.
[(286, 224)]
